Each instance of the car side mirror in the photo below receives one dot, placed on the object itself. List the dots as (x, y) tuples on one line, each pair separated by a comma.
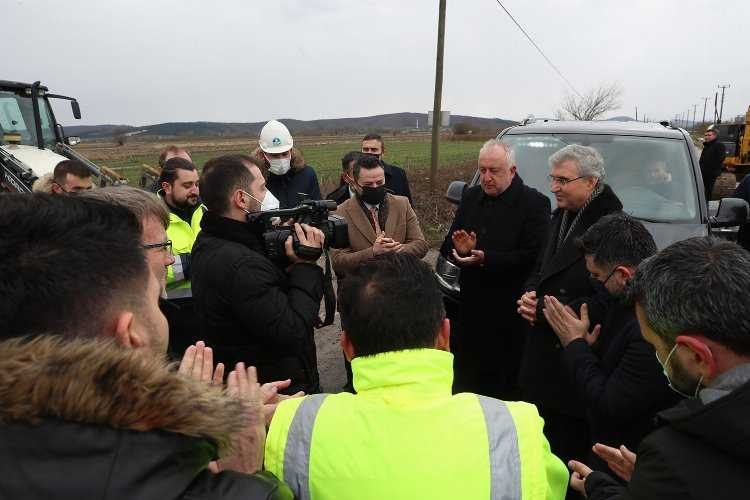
[(455, 192), (76, 109), (731, 212), (72, 140)]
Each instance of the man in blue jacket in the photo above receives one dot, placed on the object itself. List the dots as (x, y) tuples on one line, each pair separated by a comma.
[(289, 178)]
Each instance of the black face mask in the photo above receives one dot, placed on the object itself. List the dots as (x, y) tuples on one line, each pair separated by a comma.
[(373, 195)]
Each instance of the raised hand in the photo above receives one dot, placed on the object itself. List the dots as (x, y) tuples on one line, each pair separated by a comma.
[(198, 364), (620, 460), (464, 242), (247, 445)]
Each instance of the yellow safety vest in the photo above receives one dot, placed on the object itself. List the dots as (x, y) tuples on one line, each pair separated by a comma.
[(183, 237), (405, 436)]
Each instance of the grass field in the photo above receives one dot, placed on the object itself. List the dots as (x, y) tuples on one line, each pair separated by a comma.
[(323, 154)]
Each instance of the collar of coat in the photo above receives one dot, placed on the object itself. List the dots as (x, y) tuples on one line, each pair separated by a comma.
[(510, 196), (232, 230), (95, 381)]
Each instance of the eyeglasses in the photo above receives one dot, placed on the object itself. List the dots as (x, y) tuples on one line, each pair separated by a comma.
[(562, 181), (165, 246)]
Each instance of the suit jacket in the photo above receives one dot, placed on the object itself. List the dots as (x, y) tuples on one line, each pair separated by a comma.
[(396, 181), (620, 381), (401, 225), (560, 273)]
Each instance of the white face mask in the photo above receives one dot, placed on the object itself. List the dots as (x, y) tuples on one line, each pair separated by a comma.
[(269, 202), (279, 166)]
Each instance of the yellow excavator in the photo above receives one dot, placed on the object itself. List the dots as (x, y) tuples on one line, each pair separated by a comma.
[(736, 140)]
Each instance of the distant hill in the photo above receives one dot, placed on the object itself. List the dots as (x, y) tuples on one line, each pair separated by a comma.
[(621, 119), (379, 123)]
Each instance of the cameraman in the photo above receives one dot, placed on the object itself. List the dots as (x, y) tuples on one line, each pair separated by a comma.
[(250, 309)]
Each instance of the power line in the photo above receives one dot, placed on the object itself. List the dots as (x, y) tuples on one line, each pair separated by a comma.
[(538, 48)]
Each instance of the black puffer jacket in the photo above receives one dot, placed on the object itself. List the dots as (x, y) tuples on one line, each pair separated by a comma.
[(561, 273), (89, 419), (712, 158), (250, 309), (701, 451)]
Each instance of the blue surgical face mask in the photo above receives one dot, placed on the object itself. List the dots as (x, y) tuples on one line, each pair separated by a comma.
[(669, 380)]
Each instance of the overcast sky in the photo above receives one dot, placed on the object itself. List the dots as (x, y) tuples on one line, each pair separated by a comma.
[(148, 61)]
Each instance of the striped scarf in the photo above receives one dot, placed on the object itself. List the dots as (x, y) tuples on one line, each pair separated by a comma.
[(565, 230)]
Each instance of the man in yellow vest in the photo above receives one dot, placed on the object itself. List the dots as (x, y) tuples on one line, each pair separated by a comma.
[(404, 435), (178, 186)]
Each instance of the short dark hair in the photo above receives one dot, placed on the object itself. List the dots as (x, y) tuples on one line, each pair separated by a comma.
[(169, 169), (221, 176), (698, 285), (617, 240), (368, 162), (374, 137), (65, 262), (72, 167), (348, 158), (175, 150), (391, 303)]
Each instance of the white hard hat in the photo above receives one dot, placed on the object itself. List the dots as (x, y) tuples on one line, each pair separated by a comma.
[(275, 138)]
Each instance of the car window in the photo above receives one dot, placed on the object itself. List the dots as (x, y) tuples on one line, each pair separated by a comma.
[(652, 177)]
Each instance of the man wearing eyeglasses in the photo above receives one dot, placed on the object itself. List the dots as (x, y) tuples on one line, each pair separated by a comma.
[(577, 182)]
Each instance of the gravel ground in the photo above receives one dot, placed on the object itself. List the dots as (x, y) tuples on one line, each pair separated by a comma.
[(330, 357)]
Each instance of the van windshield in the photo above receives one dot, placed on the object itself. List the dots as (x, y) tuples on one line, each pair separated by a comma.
[(652, 177)]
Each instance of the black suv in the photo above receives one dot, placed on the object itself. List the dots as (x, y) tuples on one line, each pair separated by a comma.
[(653, 168)]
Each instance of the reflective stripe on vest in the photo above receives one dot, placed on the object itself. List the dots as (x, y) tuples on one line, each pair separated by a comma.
[(505, 461), (297, 450), (504, 458)]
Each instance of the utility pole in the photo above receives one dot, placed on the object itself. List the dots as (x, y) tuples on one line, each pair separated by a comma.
[(716, 106), (636, 113), (436, 108), (721, 111), (695, 107), (705, 101)]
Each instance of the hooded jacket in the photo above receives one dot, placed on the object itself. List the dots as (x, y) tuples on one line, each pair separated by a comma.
[(700, 451), (301, 178), (90, 419)]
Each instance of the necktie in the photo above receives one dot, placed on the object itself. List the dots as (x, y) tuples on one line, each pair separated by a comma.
[(376, 224)]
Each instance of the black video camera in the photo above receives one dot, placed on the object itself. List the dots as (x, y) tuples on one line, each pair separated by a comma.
[(315, 213)]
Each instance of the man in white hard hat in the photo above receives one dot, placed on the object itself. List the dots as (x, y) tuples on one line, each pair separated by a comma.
[(289, 178)]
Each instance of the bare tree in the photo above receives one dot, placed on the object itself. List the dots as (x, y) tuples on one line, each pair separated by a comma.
[(593, 104)]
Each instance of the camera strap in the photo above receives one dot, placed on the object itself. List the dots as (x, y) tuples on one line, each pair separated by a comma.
[(329, 296)]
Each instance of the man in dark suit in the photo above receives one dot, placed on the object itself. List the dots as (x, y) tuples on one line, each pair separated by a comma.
[(395, 177), (577, 181), (711, 161), (614, 370), (496, 236)]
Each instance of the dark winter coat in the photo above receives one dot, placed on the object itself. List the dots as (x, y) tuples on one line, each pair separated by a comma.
[(712, 159), (340, 194), (561, 274), (701, 451), (619, 381), (90, 419), (396, 181), (742, 191), (250, 309), (300, 183), (511, 229)]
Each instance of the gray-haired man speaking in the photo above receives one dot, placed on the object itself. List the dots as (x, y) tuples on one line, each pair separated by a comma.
[(496, 237)]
